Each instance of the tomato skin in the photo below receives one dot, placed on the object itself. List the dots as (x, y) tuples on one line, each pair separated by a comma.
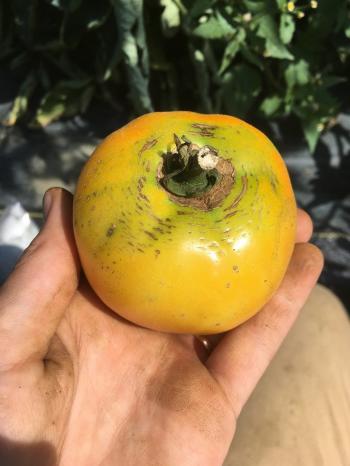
[(176, 268)]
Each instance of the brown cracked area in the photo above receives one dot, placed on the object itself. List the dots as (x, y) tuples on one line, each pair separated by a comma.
[(212, 198), (203, 129), (148, 145)]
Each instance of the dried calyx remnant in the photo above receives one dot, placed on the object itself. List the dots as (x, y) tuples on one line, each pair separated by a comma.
[(195, 176)]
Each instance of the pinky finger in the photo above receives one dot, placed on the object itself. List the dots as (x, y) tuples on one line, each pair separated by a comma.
[(243, 354)]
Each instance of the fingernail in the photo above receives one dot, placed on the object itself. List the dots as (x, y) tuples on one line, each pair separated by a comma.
[(47, 201)]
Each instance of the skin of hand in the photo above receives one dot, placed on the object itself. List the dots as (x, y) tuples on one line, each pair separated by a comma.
[(80, 386)]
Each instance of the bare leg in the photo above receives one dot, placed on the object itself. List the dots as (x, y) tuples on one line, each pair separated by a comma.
[(299, 414)]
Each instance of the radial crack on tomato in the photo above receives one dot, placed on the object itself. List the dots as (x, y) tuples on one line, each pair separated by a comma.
[(195, 175), (193, 221)]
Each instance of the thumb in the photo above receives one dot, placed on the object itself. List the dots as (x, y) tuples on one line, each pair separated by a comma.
[(35, 296)]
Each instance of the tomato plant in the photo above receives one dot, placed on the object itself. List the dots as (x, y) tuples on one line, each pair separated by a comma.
[(185, 222)]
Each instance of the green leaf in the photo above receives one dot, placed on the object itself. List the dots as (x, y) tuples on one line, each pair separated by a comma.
[(66, 99), (55, 3), (69, 5), (20, 104), (287, 28), (232, 49), (342, 16), (96, 19), (271, 105), (67, 65), (281, 4), (170, 17), (311, 132), (76, 24), (215, 28), (256, 6), (297, 74), (51, 46), (25, 17), (267, 29), (329, 81), (252, 57), (202, 79), (325, 18), (129, 19), (242, 84), (20, 60), (347, 32), (199, 7)]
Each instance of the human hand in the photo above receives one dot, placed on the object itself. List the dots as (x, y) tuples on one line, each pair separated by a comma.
[(81, 386)]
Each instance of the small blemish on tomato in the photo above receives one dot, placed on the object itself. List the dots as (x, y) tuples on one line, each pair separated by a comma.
[(111, 230), (148, 145), (228, 285), (204, 129), (144, 197), (151, 235), (235, 268), (182, 212)]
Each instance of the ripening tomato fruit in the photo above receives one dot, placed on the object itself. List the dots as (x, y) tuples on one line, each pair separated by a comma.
[(185, 222)]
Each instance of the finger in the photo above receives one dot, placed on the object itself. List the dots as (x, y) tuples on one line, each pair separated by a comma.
[(35, 295), (304, 227), (243, 354)]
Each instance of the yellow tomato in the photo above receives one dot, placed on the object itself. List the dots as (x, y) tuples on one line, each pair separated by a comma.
[(189, 233)]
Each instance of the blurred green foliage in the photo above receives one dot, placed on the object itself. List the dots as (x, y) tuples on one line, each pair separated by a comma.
[(270, 58)]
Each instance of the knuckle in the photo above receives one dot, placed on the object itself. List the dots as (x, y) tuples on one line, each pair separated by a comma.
[(282, 302), (314, 260), (68, 278), (28, 252)]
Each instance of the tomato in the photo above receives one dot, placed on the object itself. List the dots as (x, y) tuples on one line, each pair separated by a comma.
[(185, 222)]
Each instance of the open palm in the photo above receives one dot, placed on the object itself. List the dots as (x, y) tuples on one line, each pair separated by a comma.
[(80, 386)]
